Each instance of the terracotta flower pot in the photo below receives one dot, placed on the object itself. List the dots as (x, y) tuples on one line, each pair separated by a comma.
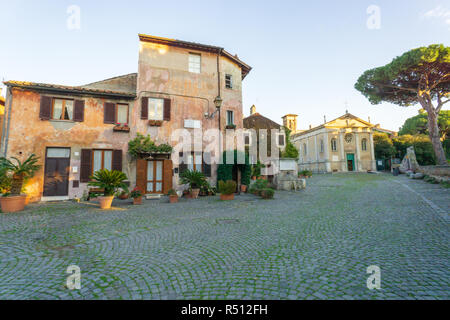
[(173, 199), (194, 193), (13, 203), (105, 202), (254, 178), (137, 201), (243, 188), (123, 197), (226, 197)]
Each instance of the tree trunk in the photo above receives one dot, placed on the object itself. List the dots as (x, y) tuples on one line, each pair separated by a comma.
[(435, 137), (16, 185)]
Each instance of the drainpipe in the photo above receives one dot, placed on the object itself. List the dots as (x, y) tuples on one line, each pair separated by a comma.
[(6, 122), (218, 81)]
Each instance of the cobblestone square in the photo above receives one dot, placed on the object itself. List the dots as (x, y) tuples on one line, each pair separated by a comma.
[(312, 244)]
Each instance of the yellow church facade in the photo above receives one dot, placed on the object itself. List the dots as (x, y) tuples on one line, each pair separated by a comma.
[(344, 144)]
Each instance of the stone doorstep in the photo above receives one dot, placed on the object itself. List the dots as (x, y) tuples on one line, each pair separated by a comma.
[(153, 196), (59, 198)]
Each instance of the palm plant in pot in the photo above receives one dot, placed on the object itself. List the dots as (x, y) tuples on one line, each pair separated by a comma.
[(14, 174), (227, 189), (136, 194), (110, 182), (173, 196), (194, 179)]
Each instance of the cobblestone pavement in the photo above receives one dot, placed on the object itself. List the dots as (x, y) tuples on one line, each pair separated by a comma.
[(313, 244)]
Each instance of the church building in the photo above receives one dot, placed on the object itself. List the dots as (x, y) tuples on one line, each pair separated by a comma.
[(344, 144)]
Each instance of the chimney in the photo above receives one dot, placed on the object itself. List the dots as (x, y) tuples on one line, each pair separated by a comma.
[(310, 127), (369, 119), (252, 109), (324, 119)]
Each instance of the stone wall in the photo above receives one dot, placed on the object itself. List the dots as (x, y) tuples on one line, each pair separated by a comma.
[(435, 170)]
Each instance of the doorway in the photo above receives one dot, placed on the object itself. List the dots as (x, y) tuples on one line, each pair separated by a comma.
[(350, 162), (56, 174), (155, 176)]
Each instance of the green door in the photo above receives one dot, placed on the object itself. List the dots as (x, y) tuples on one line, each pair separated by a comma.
[(350, 162)]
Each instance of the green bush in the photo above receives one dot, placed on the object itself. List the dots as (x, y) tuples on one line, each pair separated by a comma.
[(305, 173), (258, 186), (145, 145), (195, 179), (267, 193), (422, 148), (110, 181), (228, 187)]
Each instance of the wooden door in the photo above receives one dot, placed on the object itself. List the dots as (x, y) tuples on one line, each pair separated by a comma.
[(155, 176), (56, 174), (350, 162)]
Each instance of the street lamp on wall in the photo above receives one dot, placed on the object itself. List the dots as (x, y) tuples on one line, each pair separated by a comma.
[(218, 103)]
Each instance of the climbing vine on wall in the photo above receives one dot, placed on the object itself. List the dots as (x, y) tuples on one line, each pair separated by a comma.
[(225, 170)]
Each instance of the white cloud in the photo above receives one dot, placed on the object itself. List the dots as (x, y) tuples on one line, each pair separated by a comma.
[(439, 13)]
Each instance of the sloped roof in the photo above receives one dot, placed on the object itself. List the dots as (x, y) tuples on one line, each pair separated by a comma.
[(68, 89), (197, 46), (329, 124), (126, 83), (257, 121)]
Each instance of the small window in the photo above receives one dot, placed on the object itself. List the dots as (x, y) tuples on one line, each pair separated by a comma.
[(195, 161), (247, 139), (62, 109), (364, 144), (230, 117), (305, 149), (228, 81), (333, 144), (195, 63), (322, 147), (102, 159), (155, 109), (281, 140), (122, 113)]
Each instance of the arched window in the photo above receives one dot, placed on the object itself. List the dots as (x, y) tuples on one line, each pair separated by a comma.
[(305, 151), (322, 147), (364, 144), (333, 144)]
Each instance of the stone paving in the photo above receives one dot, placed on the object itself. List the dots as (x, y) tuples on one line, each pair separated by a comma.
[(312, 244)]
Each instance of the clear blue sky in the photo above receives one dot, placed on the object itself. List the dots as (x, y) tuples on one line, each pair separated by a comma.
[(306, 55)]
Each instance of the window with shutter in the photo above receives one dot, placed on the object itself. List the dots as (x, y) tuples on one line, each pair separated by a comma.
[(86, 165), (78, 113), (144, 108), (167, 104), (117, 160), (183, 163), (207, 164), (46, 108), (110, 113)]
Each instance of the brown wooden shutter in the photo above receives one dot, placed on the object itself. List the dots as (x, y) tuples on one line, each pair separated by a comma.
[(110, 113), (46, 108), (167, 176), (182, 166), (117, 160), (167, 103), (141, 175), (78, 112), (86, 165), (247, 139), (144, 108), (207, 164)]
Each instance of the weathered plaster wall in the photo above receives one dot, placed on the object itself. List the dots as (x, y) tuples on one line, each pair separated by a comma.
[(164, 73), (28, 134)]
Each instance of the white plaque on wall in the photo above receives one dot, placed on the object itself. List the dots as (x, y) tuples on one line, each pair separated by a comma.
[(287, 165), (192, 124), (335, 158)]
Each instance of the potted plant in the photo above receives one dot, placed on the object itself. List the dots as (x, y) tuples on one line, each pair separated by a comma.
[(230, 126), (267, 193), (136, 195), (227, 189), (110, 182), (173, 196), (243, 188), (15, 174), (195, 179), (123, 195)]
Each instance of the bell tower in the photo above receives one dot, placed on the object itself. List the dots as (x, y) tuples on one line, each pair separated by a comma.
[(290, 122)]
